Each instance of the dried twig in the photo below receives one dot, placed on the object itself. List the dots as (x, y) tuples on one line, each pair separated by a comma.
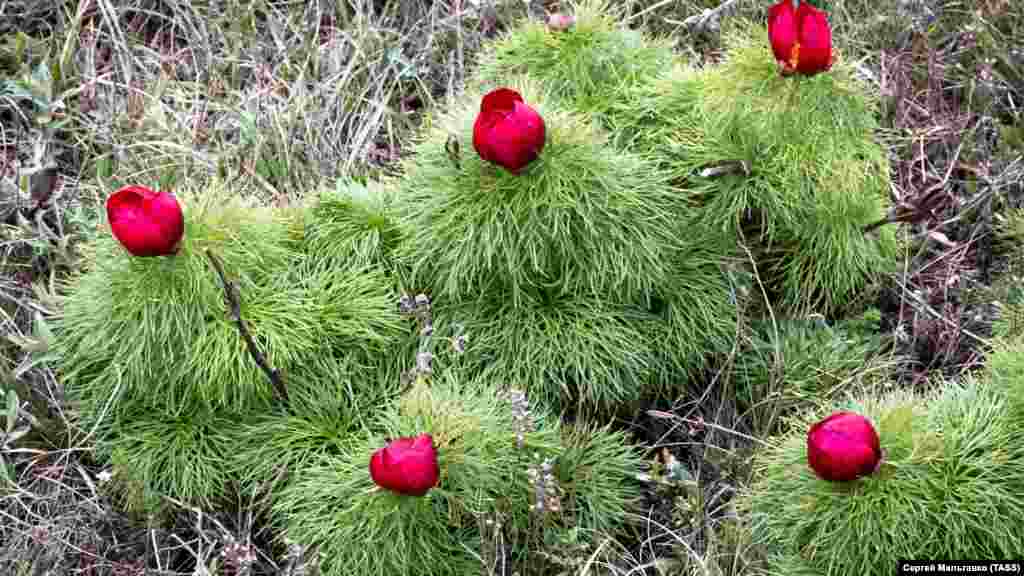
[(925, 206), (234, 301), (922, 305), (707, 21)]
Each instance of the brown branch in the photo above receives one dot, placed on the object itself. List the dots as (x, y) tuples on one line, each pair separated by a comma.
[(234, 302), (708, 20)]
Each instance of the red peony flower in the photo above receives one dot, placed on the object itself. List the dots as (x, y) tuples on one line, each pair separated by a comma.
[(843, 447), (507, 132), (406, 465), (801, 39), (145, 222)]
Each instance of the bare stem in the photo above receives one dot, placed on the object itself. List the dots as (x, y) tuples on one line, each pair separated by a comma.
[(234, 301)]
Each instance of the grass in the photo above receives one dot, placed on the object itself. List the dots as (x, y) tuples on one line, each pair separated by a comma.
[(319, 106)]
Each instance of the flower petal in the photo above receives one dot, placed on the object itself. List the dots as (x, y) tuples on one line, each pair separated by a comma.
[(815, 39), (782, 29)]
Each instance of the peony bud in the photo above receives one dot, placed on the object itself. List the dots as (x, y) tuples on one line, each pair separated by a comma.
[(801, 39), (406, 465), (145, 222), (843, 447), (507, 132)]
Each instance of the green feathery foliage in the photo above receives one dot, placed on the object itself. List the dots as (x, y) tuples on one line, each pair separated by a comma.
[(157, 454), (330, 403), (583, 219), (796, 363), (158, 329), (591, 351), (703, 311), (953, 463), (597, 469), (560, 273), (353, 222), (591, 65), (132, 322), (152, 357), (789, 165), (358, 528)]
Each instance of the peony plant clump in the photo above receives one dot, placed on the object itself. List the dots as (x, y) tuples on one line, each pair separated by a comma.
[(788, 165), (152, 354), (569, 263), (459, 463), (588, 60), (952, 464)]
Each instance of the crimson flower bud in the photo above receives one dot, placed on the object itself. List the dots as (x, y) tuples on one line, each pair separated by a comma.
[(145, 222), (843, 447), (406, 465), (508, 132)]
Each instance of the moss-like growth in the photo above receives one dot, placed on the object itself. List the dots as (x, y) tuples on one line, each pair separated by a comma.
[(953, 463), (360, 529), (789, 165), (591, 65), (563, 268), (155, 363)]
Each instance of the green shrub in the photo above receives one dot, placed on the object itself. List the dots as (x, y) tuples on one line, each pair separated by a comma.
[(330, 403), (590, 66), (953, 464), (157, 329), (358, 528), (157, 366), (559, 273), (788, 165), (131, 322), (583, 219), (184, 456), (588, 350)]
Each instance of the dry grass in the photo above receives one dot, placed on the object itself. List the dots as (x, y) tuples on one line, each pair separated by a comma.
[(282, 98)]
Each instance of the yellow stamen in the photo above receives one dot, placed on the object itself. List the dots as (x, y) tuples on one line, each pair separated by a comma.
[(794, 55)]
